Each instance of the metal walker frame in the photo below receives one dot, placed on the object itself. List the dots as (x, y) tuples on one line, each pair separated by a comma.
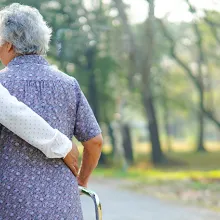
[(95, 198)]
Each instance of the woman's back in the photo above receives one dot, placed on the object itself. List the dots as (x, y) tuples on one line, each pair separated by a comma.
[(30, 179)]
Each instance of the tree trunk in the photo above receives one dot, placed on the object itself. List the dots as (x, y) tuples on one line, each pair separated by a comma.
[(103, 160), (144, 66), (157, 154), (200, 77), (112, 138), (127, 144), (201, 124), (147, 96), (119, 157), (92, 90), (166, 120)]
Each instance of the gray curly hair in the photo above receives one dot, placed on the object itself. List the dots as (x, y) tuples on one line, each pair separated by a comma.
[(24, 27)]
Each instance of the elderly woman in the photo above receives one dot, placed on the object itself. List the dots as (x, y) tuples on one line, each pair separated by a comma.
[(32, 186)]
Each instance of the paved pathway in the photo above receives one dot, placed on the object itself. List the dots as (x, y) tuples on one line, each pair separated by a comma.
[(122, 204)]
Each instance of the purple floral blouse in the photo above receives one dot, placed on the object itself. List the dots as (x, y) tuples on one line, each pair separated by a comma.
[(31, 185)]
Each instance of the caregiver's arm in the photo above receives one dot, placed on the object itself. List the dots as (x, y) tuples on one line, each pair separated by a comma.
[(25, 123)]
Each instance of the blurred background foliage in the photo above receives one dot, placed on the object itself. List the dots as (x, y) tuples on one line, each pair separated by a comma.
[(153, 85)]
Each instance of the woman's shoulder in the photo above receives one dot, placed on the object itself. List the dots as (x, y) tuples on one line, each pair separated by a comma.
[(64, 77), (5, 73)]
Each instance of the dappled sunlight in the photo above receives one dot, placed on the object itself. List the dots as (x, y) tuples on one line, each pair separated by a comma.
[(149, 70)]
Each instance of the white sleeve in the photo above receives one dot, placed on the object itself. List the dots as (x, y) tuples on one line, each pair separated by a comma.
[(28, 125)]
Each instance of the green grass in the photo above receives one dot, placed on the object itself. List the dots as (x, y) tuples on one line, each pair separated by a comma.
[(184, 160), (159, 174), (198, 170), (182, 166), (187, 177)]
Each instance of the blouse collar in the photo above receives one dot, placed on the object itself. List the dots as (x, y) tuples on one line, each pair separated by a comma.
[(23, 59)]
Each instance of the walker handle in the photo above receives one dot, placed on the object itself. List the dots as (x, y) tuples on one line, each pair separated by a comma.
[(95, 198)]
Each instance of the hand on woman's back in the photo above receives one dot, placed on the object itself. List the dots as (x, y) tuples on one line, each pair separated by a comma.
[(71, 160)]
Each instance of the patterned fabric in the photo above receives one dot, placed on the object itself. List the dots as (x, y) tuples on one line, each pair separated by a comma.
[(31, 185)]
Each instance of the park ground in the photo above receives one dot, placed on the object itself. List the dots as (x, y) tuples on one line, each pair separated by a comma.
[(190, 177), (121, 203)]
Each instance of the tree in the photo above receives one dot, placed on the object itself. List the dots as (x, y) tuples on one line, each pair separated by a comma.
[(196, 78), (145, 67)]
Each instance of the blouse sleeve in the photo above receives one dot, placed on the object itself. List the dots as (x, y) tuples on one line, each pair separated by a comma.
[(86, 126), (28, 125)]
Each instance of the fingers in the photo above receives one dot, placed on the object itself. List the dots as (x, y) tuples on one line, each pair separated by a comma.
[(73, 167), (74, 171), (71, 160), (72, 163)]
